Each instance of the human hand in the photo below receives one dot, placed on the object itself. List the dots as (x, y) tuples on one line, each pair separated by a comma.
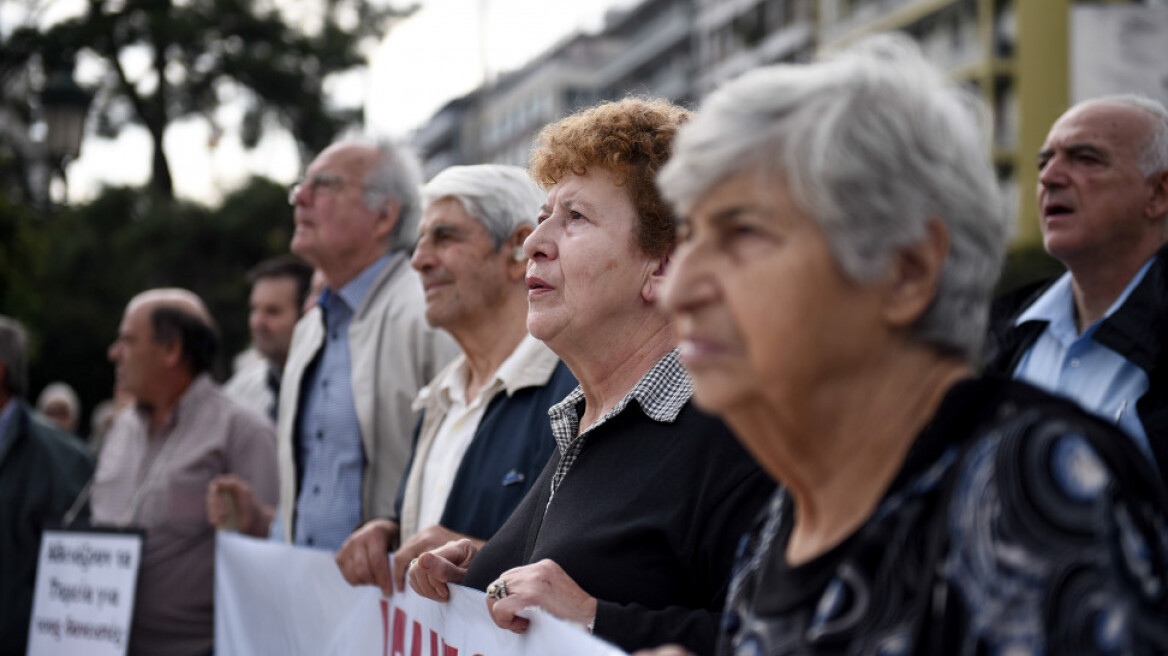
[(232, 505), (428, 538), (432, 570), (667, 650), (546, 586), (364, 557)]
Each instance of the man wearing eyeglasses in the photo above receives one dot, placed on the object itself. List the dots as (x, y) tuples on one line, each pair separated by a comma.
[(359, 357)]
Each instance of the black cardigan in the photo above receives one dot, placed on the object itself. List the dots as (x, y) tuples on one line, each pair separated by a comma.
[(647, 521)]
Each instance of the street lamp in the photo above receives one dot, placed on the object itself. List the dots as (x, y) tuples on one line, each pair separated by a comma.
[(64, 106)]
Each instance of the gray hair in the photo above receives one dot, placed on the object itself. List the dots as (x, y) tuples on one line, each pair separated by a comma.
[(875, 144), (14, 355), (1154, 154), (397, 175), (500, 197), (63, 392)]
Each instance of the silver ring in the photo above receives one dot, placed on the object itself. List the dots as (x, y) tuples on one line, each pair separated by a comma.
[(497, 590), (412, 563)]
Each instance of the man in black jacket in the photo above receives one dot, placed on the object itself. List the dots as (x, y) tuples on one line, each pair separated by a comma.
[(1096, 333), (42, 472)]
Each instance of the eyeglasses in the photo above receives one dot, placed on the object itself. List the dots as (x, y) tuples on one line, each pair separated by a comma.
[(321, 182)]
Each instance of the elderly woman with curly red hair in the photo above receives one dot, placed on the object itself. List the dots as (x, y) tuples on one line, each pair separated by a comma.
[(631, 529)]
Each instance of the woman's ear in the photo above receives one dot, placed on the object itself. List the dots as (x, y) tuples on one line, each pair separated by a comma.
[(655, 281), (915, 277)]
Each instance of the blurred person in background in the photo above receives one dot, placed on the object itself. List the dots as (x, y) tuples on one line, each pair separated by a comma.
[(59, 403), (279, 288), (42, 473), (484, 436), (631, 528), (159, 457), (843, 231)]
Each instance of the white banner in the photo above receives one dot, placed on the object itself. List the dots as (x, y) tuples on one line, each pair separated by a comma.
[(84, 596), (271, 598)]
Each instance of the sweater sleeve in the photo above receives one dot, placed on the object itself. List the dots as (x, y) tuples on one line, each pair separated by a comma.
[(631, 626), (726, 523)]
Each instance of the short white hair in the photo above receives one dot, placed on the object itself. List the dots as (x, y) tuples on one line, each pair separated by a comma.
[(500, 197), (396, 175), (1154, 153), (875, 143)]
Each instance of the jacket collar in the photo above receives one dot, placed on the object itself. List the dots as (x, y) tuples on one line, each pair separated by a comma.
[(531, 364), (1136, 329)]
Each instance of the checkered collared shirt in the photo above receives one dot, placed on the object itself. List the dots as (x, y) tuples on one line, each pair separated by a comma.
[(661, 392)]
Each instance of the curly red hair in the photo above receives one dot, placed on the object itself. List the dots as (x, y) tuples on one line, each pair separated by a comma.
[(632, 138)]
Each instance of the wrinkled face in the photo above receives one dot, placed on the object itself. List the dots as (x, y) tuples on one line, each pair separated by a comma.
[(139, 361), (333, 224), (586, 277), (274, 312), (463, 275), (1092, 197), (761, 309)]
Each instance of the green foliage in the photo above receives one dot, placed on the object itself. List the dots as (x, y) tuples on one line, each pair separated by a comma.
[(204, 53), (67, 275)]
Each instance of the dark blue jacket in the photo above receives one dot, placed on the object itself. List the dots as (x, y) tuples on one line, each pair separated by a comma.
[(1138, 331), (42, 471), (510, 448)]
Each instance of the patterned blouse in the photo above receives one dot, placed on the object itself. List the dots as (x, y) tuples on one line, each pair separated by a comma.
[(1017, 525)]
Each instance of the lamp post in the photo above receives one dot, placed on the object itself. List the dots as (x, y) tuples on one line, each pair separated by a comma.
[(64, 106)]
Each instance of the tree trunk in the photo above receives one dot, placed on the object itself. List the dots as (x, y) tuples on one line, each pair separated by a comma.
[(160, 180)]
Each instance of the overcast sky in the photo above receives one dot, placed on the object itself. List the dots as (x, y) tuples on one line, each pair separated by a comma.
[(426, 60)]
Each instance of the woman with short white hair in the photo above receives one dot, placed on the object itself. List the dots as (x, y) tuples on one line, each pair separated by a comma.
[(842, 231)]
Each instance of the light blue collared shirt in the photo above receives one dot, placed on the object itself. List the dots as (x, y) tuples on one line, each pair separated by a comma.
[(1076, 366), (328, 439)]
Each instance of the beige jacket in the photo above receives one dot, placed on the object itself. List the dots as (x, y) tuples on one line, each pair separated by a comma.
[(394, 353)]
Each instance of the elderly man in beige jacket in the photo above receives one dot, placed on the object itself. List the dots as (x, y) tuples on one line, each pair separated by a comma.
[(357, 359)]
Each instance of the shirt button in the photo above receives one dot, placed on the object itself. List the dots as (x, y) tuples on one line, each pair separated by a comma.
[(324, 383), (1075, 362), (316, 490), (320, 435), (335, 335), (309, 541)]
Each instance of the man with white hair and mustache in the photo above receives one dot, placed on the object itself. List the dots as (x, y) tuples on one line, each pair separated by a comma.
[(484, 435)]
